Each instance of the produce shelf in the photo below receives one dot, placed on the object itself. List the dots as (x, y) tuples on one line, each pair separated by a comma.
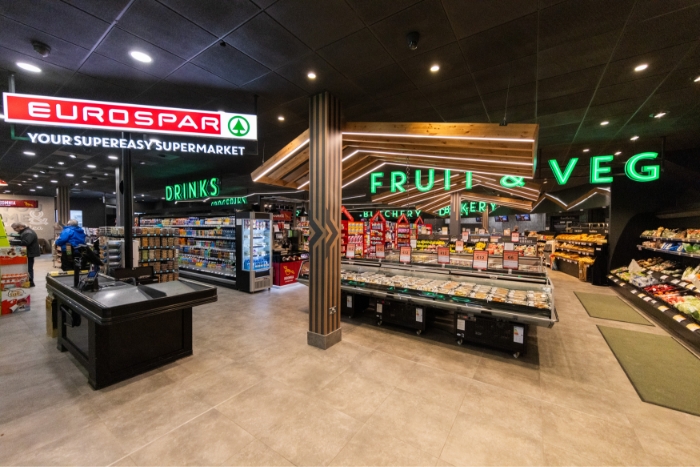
[(676, 253)]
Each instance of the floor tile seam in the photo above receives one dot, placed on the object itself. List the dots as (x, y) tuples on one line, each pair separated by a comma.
[(624, 414), (273, 449), (454, 420), (592, 462), (27, 365)]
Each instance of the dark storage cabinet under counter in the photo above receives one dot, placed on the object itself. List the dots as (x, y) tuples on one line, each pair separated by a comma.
[(123, 330)]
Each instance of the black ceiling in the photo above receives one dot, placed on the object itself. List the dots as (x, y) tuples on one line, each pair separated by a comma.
[(567, 65)]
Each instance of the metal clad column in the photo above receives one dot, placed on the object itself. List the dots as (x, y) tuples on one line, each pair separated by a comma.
[(63, 204), (325, 175), (455, 214), (485, 219)]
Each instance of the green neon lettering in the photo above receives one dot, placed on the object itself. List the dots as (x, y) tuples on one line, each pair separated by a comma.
[(192, 190), (468, 184), (444, 211), (448, 178), (509, 181), (395, 213), (214, 185), (418, 211), (649, 173), (482, 206), (366, 214), (387, 214), (597, 171), (562, 178), (373, 182), (409, 214), (494, 206), (177, 192), (168, 193), (202, 189), (431, 181), (397, 181), (464, 209)]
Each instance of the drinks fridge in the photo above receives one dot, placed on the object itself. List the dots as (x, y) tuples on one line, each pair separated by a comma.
[(254, 251)]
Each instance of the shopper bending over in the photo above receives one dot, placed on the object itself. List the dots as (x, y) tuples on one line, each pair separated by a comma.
[(72, 235), (29, 239)]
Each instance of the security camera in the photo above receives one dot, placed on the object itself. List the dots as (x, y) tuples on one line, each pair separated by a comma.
[(41, 48), (412, 39)]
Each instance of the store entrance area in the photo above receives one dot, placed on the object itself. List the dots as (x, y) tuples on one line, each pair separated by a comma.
[(254, 393)]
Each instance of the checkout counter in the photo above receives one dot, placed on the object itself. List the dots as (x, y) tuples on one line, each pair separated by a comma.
[(120, 330)]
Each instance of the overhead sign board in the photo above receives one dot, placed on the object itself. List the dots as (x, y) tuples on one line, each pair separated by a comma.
[(197, 189), (98, 115), (19, 203)]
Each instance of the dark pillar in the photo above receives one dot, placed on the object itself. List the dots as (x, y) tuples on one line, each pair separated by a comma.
[(456, 215), (325, 175), (126, 190), (485, 219), (117, 180), (63, 204)]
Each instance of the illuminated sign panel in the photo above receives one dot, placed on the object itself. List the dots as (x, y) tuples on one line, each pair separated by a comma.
[(469, 207), (98, 115), (193, 190), (230, 201)]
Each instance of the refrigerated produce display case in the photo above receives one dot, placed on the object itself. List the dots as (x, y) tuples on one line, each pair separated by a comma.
[(254, 251), (487, 308)]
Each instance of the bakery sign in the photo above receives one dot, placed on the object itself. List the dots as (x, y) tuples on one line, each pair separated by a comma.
[(18, 203), (99, 115), (469, 207)]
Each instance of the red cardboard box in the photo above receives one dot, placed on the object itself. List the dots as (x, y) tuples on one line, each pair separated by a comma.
[(14, 300)]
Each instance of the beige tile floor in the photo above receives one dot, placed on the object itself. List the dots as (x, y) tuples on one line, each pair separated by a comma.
[(255, 394)]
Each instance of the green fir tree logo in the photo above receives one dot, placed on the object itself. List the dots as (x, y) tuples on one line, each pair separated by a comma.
[(238, 126)]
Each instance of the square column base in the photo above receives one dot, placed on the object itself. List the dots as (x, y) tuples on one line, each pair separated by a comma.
[(324, 341)]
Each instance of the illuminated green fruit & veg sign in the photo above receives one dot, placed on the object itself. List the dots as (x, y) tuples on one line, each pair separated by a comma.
[(193, 190), (599, 174)]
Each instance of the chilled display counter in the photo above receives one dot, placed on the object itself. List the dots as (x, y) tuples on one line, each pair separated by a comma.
[(493, 309), (530, 266), (122, 330)]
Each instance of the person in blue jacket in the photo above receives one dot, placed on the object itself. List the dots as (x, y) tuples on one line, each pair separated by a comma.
[(72, 235)]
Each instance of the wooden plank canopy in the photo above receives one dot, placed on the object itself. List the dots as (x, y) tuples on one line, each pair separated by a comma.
[(485, 149)]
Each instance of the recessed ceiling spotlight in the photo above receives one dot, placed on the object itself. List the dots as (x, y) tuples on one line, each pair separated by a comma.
[(140, 56), (106, 174), (92, 166), (142, 163), (618, 153), (29, 153), (72, 156), (604, 122), (641, 67), (142, 196), (54, 181), (114, 158), (84, 181), (435, 68), (36, 176), (634, 138), (311, 75), (42, 172), (29, 67), (114, 192), (280, 118), (77, 184), (32, 189), (697, 80), (51, 167), (586, 150), (69, 175), (61, 163), (40, 187), (660, 114)]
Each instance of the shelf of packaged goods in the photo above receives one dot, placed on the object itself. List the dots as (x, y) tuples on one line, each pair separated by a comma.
[(203, 247), (664, 239), (580, 252), (213, 226), (231, 275), (174, 247), (207, 237), (673, 280), (165, 271), (207, 258), (573, 261), (682, 325), (677, 253), (578, 242), (156, 260)]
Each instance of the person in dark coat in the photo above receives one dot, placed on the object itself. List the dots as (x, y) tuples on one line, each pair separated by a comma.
[(31, 241)]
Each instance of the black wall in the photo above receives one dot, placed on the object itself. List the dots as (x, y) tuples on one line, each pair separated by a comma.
[(93, 211)]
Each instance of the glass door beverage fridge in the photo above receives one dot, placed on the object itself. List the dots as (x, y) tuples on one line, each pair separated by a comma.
[(254, 250)]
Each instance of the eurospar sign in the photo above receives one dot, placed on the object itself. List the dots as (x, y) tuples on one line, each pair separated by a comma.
[(97, 115)]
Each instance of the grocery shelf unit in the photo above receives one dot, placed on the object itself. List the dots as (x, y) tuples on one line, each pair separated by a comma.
[(403, 232), (576, 251), (207, 249), (479, 317), (377, 233), (352, 233), (153, 246), (254, 246)]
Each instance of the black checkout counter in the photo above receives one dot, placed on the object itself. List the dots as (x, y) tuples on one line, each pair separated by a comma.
[(122, 330)]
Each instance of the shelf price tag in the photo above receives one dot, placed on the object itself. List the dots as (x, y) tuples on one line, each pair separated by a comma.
[(508, 246), (465, 236), (413, 243), (405, 254), (510, 259), (515, 237), (379, 250), (692, 327), (481, 260), (663, 308), (459, 245), (679, 318), (443, 255), (494, 239), (350, 250)]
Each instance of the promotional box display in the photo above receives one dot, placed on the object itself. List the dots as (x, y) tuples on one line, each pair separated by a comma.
[(14, 279), (14, 300)]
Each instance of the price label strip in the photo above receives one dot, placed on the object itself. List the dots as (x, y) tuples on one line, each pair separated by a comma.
[(443, 255), (481, 260)]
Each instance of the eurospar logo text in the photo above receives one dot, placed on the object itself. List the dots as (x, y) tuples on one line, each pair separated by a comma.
[(78, 113)]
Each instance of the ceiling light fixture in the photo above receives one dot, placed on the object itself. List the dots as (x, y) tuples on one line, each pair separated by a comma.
[(69, 175), (364, 174), (140, 56), (32, 189), (586, 150), (604, 122), (641, 67), (435, 68), (114, 158), (618, 153), (29, 67), (106, 174), (54, 181), (289, 154), (634, 138), (40, 187), (660, 114), (29, 153), (311, 75), (142, 163), (468, 138), (92, 166), (61, 163), (280, 118), (36, 176), (84, 181), (72, 156), (697, 80)]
